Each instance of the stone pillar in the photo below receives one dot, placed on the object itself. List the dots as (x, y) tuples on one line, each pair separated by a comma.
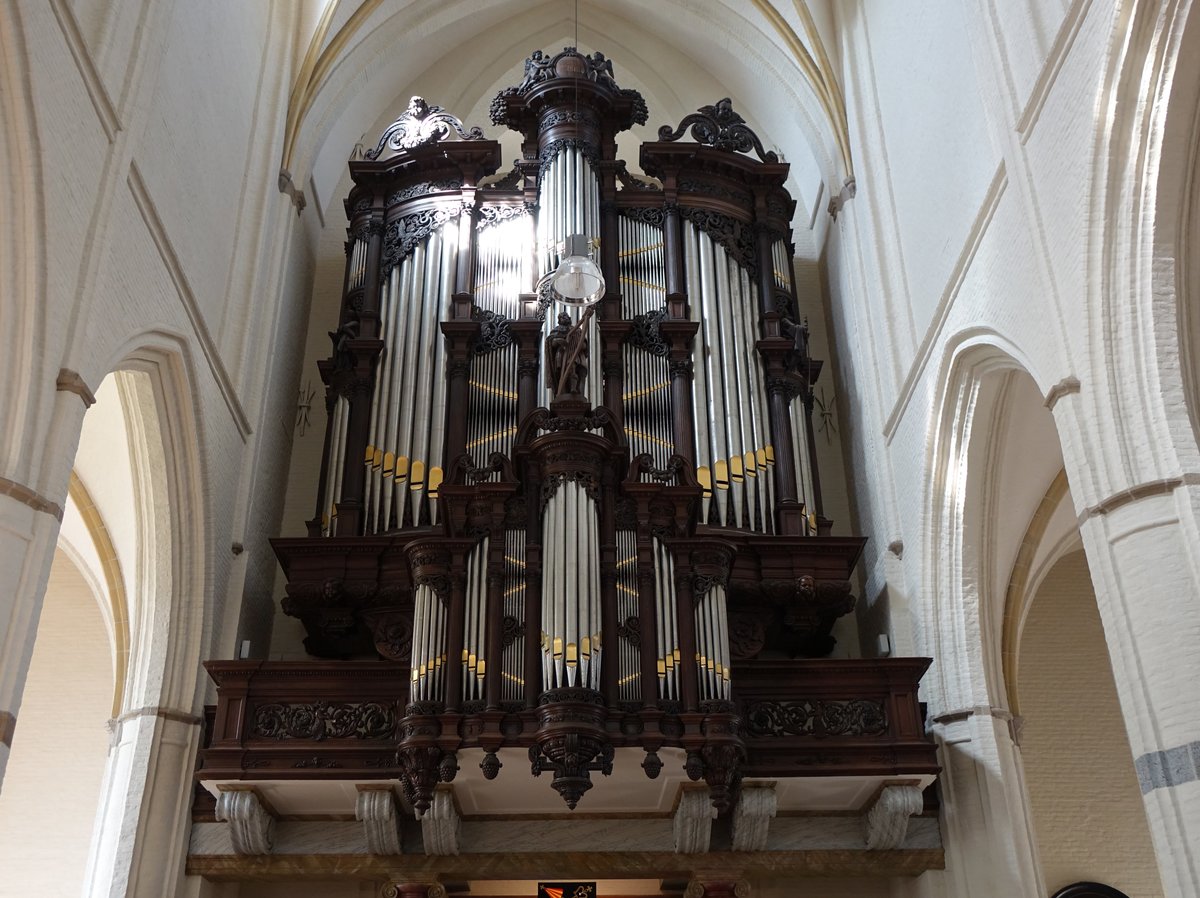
[(142, 826), (987, 835), (31, 509), (1143, 549), (1136, 488)]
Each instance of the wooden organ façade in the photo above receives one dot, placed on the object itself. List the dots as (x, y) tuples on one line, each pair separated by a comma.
[(579, 532)]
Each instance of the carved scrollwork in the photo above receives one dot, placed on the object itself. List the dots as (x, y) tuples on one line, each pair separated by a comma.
[(737, 237), (421, 188), (787, 386), (587, 480), (719, 126), (391, 630), (319, 721), (554, 147), (495, 213), (567, 116), (510, 181), (547, 422), (422, 124), (630, 182), (495, 330), (365, 230), (646, 334), (439, 583), (652, 215), (681, 368), (747, 636), (404, 234), (510, 630), (702, 584), (815, 717), (718, 191), (642, 466), (631, 632)]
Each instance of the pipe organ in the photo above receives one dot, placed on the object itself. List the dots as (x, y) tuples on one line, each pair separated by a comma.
[(571, 526)]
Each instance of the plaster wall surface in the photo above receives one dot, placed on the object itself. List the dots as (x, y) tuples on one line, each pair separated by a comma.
[(1083, 792)]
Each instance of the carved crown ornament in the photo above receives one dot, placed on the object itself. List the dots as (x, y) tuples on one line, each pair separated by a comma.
[(422, 124), (719, 126)]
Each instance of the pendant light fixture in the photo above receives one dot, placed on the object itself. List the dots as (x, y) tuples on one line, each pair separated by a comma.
[(577, 281)]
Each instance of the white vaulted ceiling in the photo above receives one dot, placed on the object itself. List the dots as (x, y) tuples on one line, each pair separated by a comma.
[(367, 57)]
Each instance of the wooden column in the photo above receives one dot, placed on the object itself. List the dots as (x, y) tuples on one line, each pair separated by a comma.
[(493, 629), (685, 620), (455, 620)]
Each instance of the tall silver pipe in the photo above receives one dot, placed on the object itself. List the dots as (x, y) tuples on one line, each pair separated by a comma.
[(337, 442), (513, 666)]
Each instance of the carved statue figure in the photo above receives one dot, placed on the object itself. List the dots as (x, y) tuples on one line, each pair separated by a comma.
[(418, 108), (797, 358), (343, 358), (566, 356)]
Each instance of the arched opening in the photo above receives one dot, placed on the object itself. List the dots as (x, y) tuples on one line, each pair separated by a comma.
[(76, 678), (109, 705), (1084, 798), (56, 769), (1020, 640)]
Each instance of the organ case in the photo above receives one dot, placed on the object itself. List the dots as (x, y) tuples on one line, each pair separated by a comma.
[(561, 545)]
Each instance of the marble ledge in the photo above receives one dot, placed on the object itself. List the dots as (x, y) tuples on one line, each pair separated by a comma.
[(786, 834), (567, 865)]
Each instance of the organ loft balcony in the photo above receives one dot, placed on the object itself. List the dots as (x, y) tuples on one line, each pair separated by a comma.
[(568, 562)]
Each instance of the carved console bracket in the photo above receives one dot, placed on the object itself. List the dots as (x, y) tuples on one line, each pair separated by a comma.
[(887, 819), (752, 816), (375, 808), (441, 825), (839, 199), (693, 821), (251, 826)]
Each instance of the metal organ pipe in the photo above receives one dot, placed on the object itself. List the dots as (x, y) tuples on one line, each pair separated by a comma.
[(513, 666), (569, 203), (732, 447), (428, 647), (712, 644), (647, 396), (628, 654), (781, 263), (474, 652), (407, 431), (668, 630), (501, 272), (571, 650), (337, 443)]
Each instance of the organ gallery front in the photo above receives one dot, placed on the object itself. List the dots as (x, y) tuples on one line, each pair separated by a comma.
[(568, 528)]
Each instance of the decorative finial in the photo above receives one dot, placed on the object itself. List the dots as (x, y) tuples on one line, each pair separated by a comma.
[(422, 124), (719, 126)]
